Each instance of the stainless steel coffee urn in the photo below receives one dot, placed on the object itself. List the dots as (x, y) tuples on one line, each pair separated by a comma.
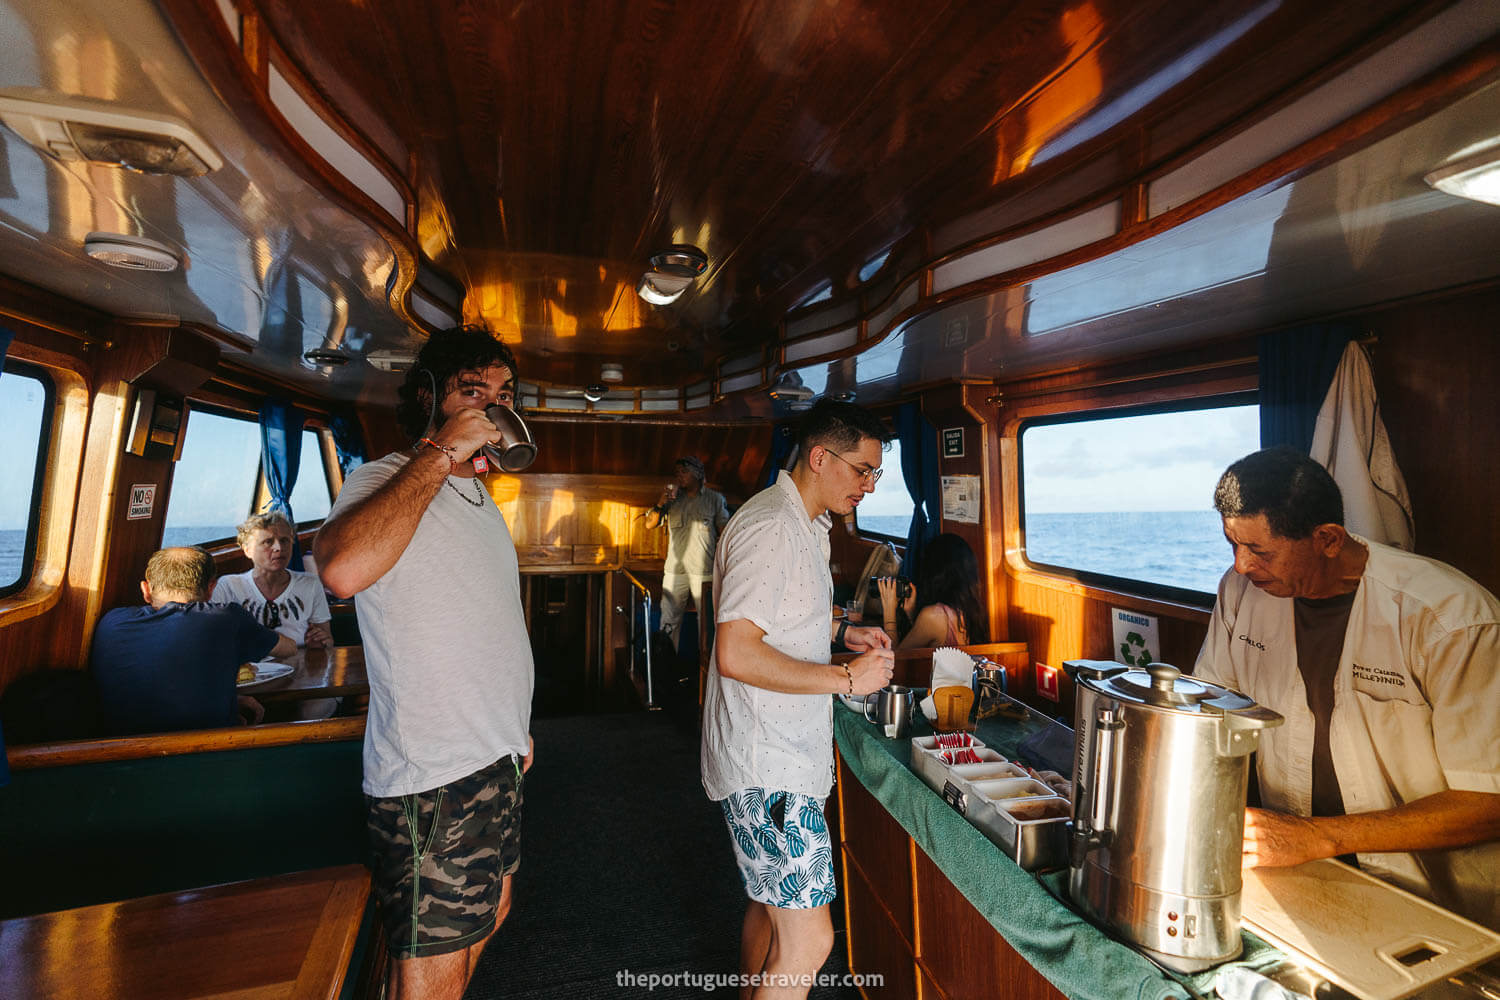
[(1160, 767)]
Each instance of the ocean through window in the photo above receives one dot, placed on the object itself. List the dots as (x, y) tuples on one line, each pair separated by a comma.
[(25, 400), (1130, 498)]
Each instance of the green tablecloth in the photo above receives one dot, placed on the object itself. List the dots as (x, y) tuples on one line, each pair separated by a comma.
[(1076, 956)]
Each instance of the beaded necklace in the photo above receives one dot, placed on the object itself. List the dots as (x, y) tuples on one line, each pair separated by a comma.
[(478, 491)]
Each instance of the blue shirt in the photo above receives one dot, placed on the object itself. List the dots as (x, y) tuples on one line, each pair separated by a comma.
[(174, 667)]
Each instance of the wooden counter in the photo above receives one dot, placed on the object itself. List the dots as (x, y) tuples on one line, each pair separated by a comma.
[(907, 921), (288, 936)]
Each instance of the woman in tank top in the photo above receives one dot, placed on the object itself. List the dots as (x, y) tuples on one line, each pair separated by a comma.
[(943, 608)]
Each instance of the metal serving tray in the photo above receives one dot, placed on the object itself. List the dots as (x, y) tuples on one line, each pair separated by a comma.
[(1018, 814)]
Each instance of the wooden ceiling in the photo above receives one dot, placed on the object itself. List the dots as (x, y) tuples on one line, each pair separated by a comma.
[(554, 146)]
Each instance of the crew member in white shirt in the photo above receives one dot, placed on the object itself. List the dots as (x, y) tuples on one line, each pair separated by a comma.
[(1386, 666), (767, 716), (694, 515)]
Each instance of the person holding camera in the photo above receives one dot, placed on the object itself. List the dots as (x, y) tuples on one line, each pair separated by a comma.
[(943, 609)]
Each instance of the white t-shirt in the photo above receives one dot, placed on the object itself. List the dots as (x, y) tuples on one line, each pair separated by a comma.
[(771, 569), (1415, 701), (693, 524), (445, 641), (301, 604)]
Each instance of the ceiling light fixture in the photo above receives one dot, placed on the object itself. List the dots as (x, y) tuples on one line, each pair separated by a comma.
[(322, 357), (135, 253), (790, 390), (78, 129), (611, 372), (594, 392), (1475, 177), (672, 271)]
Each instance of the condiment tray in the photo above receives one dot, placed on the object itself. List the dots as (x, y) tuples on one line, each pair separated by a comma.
[(1020, 815)]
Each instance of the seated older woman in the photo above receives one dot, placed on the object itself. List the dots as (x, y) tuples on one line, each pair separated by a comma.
[(281, 599)]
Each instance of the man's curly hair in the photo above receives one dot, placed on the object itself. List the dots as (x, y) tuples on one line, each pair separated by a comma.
[(460, 349)]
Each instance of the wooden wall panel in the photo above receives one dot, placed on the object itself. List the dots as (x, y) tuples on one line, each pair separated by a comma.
[(1437, 369), (583, 521), (881, 850), (962, 953)]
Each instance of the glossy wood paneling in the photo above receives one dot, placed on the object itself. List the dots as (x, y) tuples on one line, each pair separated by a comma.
[(962, 953), (828, 163), (875, 844), (75, 752), (284, 936), (876, 947), (584, 521), (734, 456), (1437, 368)]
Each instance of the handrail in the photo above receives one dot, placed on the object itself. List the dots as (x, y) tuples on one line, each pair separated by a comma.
[(93, 751), (637, 585)]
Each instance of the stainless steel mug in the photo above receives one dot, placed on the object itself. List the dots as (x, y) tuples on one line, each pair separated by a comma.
[(893, 707), (516, 449)]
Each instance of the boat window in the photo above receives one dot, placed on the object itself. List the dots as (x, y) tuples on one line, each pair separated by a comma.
[(887, 511), (1127, 499), (25, 401), (874, 264), (217, 482)]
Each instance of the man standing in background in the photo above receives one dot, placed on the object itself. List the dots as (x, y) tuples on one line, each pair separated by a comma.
[(694, 515)]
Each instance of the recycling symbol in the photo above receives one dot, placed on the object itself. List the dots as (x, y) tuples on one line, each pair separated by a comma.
[(1133, 650)]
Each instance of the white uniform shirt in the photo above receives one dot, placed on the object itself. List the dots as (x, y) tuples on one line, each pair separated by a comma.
[(301, 604), (1415, 703), (771, 569), (445, 642), (693, 524)]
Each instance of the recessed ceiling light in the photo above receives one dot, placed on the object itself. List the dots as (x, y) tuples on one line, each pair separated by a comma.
[(1474, 177), (136, 253), (661, 289), (593, 392), (672, 271), (79, 129)]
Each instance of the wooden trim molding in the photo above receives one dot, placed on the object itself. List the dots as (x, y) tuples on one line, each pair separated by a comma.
[(27, 758)]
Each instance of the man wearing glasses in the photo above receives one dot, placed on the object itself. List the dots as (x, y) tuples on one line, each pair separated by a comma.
[(767, 717)]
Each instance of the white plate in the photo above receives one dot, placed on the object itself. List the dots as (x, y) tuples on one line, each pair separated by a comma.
[(267, 670)]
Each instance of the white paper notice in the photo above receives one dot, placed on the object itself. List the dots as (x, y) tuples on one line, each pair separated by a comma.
[(961, 499), (1137, 637)]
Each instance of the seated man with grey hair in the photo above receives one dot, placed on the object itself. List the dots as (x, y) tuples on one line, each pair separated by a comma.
[(171, 664)]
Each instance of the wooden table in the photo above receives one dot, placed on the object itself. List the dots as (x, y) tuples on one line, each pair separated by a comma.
[(318, 673), (288, 936)]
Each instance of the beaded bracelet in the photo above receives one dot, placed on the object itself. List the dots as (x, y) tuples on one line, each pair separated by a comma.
[(452, 462), (850, 678)]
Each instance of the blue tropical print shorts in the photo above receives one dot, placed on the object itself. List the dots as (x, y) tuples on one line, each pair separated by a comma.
[(782, 848)]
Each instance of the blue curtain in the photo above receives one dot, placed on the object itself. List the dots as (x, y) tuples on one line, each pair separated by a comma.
[(1296, 368), (783, 440), (919, 469), (281, 457), (348, 442)]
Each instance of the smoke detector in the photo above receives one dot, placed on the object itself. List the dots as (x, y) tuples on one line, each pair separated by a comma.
[(136, 253), (75, 129)]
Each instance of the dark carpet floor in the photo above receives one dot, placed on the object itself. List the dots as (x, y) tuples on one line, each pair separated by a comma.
[(625, 867)]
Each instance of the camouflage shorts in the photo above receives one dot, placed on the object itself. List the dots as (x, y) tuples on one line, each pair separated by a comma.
[(441, 895)]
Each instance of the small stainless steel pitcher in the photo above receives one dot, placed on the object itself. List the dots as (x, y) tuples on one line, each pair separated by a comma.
[(893, 707)]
